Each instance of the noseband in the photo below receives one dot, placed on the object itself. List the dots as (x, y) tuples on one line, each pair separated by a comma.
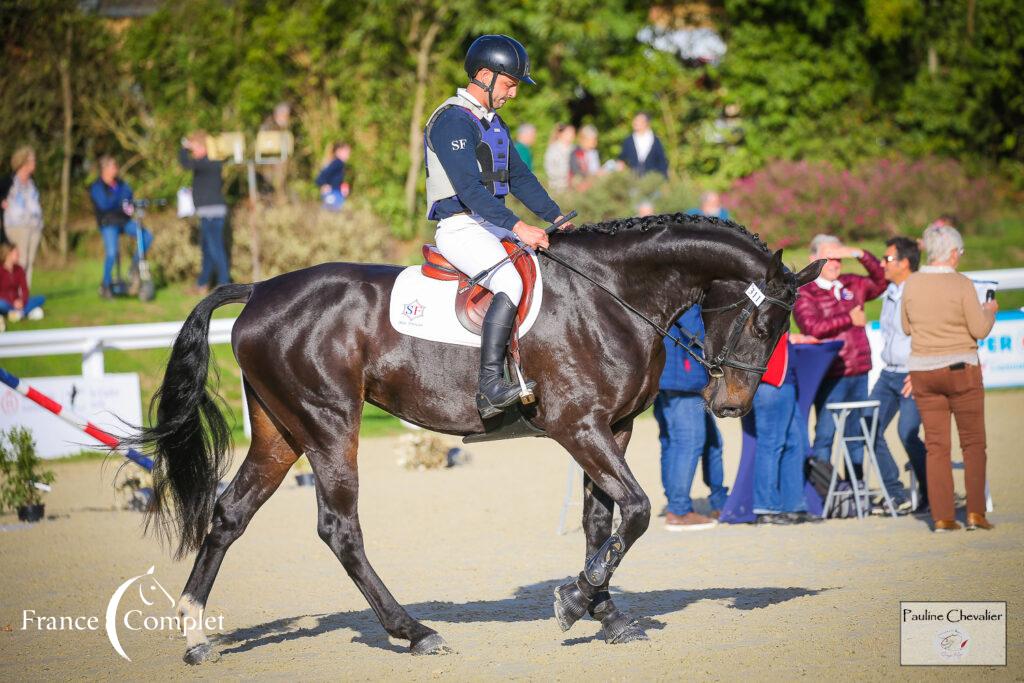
[(752, 299)]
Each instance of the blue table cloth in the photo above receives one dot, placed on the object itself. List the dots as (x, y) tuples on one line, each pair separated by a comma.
[(811, 362)]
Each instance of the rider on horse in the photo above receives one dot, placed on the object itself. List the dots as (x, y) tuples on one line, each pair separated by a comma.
[(471, 167)]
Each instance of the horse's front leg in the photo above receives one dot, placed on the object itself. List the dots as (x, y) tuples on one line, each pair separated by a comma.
[(601, 455), (597, 525)]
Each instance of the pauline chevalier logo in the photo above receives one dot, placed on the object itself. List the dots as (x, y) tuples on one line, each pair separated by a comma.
[(953, 633)]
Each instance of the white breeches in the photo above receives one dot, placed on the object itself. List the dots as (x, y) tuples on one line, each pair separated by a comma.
[(472, 244)]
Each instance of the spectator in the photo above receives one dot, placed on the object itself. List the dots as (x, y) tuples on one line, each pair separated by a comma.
[(710, 205), (642, 151), (212, 209), (781, 449), (945, 320), (15, 301), (832, 307), (23, 214), (112, 200), (556, 158), (892, 390), (331, 179), (687, 432), (526, 137), (279, 120), (585, 162)]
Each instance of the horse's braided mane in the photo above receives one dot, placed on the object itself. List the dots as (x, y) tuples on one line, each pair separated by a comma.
[(645, 223)]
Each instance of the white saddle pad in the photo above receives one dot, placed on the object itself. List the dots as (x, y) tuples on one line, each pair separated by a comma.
[(425, 308)]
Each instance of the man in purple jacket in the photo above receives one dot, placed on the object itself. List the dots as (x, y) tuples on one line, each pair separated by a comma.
[(832, 307)]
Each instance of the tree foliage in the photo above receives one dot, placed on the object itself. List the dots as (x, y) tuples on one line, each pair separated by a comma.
[(812, 79)]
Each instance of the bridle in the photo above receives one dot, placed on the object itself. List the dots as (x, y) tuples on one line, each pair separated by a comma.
[(753, 298)]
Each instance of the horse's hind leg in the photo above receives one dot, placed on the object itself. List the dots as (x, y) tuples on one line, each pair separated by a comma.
[(337, 490), (598, 509), (268, 461)]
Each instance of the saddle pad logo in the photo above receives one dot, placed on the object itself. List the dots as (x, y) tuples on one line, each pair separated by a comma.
[(413, 310)]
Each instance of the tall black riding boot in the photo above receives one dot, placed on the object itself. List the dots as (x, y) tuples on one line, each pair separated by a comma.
[(495, 393)]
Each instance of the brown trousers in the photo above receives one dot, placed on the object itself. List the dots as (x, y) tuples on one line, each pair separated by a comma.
[(938, 394)]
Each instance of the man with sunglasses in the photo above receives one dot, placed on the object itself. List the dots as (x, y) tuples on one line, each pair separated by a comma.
[(892, 390)]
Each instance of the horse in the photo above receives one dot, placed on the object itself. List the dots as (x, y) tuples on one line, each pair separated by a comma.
[(314, 344)]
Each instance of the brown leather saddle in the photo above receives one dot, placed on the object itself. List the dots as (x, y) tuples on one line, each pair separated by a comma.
[(471, 303)]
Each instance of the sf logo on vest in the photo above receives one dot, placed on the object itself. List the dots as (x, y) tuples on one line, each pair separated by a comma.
[(459, 144)]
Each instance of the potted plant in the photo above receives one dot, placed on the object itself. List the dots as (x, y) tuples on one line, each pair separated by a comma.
[(303, 472), (23, 478)]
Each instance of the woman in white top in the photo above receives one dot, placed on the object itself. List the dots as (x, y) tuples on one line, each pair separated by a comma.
[(23, 214)]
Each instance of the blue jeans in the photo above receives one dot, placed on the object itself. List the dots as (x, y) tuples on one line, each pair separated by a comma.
[(839, 390), (688, 433), (215, 257), (111, 237), (888, 392), (780, 453), (36, 301)]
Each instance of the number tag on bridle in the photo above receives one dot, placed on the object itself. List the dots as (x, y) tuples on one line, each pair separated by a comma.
[(755, 294)]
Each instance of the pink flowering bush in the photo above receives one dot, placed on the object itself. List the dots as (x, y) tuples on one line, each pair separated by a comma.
[(790, 201)]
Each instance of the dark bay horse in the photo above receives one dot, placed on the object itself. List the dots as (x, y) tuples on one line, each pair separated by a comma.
[(314, 344)]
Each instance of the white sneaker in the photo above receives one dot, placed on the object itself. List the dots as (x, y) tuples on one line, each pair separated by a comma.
[(35, 314), (14, 315)]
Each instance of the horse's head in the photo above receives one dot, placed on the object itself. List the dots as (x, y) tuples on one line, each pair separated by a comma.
[(741, 335)]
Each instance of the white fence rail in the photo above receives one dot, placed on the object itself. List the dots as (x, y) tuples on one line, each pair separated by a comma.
[(91, 342)]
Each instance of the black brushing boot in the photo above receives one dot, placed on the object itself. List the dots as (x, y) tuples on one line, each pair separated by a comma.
[(495, 394)]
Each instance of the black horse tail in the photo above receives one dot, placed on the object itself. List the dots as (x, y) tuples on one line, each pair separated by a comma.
[(190, 439)]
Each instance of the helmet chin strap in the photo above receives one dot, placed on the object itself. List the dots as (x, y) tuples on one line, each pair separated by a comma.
[(489, 89)]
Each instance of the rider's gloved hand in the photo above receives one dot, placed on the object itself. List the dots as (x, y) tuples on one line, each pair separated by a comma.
[(531, 235)]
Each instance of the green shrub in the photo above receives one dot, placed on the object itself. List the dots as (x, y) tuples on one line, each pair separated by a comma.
[(291, 237), (20, 467), (620, 194)]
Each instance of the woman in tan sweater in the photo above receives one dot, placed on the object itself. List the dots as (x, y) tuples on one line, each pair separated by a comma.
[(944, 319)]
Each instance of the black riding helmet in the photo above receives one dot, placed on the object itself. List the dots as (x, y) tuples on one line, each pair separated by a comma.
[(500, 54)]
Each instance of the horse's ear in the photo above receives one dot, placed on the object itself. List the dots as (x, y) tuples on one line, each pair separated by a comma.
[(775, 268), (810, 273)]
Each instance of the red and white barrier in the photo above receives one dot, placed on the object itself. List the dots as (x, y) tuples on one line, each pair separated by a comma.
[(74, 419)]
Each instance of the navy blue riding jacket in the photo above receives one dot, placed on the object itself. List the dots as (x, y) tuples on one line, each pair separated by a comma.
[(454, 139)]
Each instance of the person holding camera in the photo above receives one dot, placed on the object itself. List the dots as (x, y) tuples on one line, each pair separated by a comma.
[(112, 201), (945, 320), (212, 209)]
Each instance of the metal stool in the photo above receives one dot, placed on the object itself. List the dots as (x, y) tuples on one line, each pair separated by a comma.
[(989, 505), (840, 412)]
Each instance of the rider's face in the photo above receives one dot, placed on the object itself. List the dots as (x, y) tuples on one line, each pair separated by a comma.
[(504, 90)]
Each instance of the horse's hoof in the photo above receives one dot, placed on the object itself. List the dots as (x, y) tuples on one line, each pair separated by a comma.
[(197, 654), (630, 632), (433, 644), (570, 605)]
